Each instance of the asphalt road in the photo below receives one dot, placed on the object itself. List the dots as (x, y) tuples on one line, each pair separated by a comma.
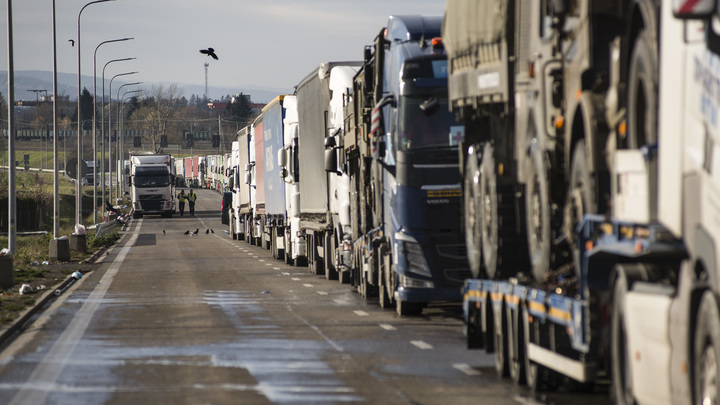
[(175, 318)]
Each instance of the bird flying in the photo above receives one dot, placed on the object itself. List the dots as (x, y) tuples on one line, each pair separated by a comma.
[(209, 52)]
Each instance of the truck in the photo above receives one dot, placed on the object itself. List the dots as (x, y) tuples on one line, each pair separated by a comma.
[(290, 174), (152, 184), (636, 300), (275, 220), (240, 211), (312, 224), (256, 177), (400, 154)]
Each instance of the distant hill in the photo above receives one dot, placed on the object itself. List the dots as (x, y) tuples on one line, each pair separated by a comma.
[(67, 85)]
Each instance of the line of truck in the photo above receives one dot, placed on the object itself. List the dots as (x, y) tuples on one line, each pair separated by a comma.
[(553, 164), (356, 174)]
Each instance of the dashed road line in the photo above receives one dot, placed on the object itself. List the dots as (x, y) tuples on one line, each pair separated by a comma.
[(361, 313), (421, 345), (387, 326), (466, 369)]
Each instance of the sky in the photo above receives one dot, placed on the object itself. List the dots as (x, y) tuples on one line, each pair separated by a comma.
[(262, 43)]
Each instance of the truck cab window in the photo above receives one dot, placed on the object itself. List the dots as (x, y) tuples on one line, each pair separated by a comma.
[(425, 122)]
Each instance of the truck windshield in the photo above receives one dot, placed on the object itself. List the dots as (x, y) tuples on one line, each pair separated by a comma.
[(425, 122), (152, 181)]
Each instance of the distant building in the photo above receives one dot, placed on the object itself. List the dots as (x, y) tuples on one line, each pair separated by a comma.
[(217, 106)]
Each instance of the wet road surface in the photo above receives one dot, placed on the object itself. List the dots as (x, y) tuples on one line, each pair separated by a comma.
[(175, 318)]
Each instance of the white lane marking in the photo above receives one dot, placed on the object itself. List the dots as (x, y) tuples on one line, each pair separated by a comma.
[(295, 279), (49, 369), (322, 292), (361, 313), (268, 264), (466, 369), (421, 345), (261, 260), (276, 268), (285, 273), (308, 285), (387, 326)]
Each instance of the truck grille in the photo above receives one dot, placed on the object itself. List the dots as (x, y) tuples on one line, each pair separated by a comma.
[(151, 202)]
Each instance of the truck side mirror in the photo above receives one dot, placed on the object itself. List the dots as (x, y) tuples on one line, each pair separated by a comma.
[(247, 168), (247, 178), (331, 160), (282, 158)]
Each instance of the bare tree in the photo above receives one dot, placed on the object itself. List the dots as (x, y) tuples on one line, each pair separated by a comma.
[(156, 113)]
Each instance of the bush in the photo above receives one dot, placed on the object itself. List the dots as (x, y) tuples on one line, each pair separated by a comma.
[(102, 241)]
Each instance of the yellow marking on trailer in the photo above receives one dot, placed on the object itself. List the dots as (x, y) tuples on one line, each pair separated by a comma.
[(444, 193), (560, 314), (536, 306), (512, 299), (496, 296)]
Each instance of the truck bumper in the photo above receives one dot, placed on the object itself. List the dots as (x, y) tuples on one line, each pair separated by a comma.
[(415, 294)]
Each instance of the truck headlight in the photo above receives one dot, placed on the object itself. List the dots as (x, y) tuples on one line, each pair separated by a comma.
[(410, 249), (410, 282)]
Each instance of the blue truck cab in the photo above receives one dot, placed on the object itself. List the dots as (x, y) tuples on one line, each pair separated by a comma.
[(414, 170)]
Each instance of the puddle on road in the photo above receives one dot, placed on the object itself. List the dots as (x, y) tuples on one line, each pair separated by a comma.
[(285, 371)]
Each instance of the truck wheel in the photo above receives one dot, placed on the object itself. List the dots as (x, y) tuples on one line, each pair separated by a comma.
[(642, 96), (516, 346), (706, 352), (503, 248), (580, 198), (621, 377), (405, 308), (538, 377), (385, 288), (500, 338), (537, 210), (329, 246), (471, 194)]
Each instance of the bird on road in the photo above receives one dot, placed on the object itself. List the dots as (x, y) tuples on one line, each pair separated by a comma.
[(196, 231), (163, 232), (207, 231), (212, 231), (187, 232), (72, 42), (209, 52)]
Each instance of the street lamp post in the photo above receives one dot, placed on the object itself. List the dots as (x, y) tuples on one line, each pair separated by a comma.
[(110, 160), (119, 141), (78, 183), (94, 122), (102, 129), (122, 142), (11, 135)]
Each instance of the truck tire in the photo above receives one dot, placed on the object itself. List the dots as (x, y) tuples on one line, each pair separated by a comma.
[(500, 339), (516, 345), (580, 198), (471, 202), (706, 351), (405, 308), (329, 246), (537, 377), (504, 251), (386, 289), (642, 97), (621, 377), (537, 211)]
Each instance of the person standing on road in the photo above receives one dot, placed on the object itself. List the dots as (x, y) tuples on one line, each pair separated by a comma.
[(181, 201), (191, 201)]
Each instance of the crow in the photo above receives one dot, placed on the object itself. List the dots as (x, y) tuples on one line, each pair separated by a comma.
[(163, 232), (207, 231), (187, 232), (196, 231), (209, 52), (212, 231), (72, 42)]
